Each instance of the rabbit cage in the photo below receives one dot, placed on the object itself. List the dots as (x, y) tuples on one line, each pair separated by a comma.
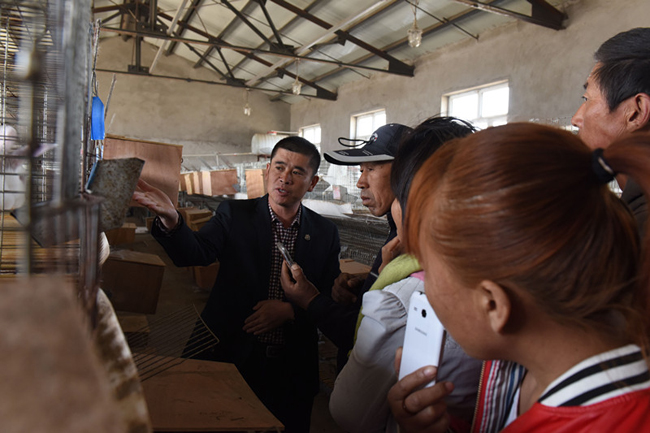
[(55, 375)]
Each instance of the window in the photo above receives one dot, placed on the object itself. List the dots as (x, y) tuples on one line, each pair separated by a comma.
[(363, 125), (311, 133), (483, 106)]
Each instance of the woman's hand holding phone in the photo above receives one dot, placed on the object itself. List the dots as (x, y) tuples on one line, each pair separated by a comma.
[(417, 408)]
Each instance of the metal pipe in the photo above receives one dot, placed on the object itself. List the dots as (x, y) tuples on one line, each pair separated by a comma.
[(163, 46)]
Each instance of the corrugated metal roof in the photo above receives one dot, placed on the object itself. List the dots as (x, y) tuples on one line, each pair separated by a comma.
[(264, 44)]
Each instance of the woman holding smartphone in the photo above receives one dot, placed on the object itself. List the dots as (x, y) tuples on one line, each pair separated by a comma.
[(359, 400), (538, 265)]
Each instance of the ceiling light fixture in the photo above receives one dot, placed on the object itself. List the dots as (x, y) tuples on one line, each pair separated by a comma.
[(247, 107), (414, 33), (297, 86)]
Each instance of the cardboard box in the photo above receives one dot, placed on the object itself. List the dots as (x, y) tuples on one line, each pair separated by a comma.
[(255, 182), (132, 280), (122, 235), (205, 276), (357, 269)]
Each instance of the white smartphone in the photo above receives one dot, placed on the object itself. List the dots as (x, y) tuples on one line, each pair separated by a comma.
[(285, 253), (424, 338)]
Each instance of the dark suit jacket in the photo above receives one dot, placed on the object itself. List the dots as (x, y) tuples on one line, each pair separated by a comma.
[(239, 236)]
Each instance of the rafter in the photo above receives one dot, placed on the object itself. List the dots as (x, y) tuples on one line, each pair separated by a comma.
[(186, 19), (543, 14), (320, 91), (247, 9), (276, 46), (425, 32), (291, 22), (277, 35), (216, 83), (240, 49), (395, 65)]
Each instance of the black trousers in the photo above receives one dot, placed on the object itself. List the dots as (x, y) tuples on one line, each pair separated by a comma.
[(280, 378), (272, 375)]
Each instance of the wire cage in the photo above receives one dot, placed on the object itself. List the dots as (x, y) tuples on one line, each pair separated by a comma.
[(47, 224), (361, 237)]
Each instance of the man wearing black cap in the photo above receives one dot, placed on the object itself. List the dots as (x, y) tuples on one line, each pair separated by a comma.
[(337, 320), (375, 160)]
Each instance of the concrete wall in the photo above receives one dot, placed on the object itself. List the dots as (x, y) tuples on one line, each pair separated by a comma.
[(204, 118), (546, 70)]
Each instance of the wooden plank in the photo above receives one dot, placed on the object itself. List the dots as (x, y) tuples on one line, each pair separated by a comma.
[(255, 182), (188, 183), (205, 396), (197, 182), (162, 166), (219, 182), (182, 186)]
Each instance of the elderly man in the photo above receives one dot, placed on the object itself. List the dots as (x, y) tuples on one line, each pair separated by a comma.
[(273, 345), (337, 320), (617, 102), (375, 160)]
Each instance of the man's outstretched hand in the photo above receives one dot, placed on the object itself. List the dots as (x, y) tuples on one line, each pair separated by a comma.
[(156, 201)]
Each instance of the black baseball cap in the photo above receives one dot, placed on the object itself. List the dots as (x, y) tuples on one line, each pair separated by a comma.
[(381, 146)]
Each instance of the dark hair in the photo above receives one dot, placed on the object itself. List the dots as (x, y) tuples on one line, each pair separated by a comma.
[(301, 146), (520, 205), (624, 66), (417, 145)]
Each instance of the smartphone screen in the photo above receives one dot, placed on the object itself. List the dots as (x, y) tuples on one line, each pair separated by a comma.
[(285, 253), (424, 338)]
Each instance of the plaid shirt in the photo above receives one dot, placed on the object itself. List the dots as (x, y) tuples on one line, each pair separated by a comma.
[(288, 237)]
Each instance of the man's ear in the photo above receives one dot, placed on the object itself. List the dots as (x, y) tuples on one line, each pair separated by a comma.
[(638, 116), (496, 305), (266, 173), (314, 181)]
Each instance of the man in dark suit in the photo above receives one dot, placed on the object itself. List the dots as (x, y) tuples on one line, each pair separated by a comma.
[(273, 344)]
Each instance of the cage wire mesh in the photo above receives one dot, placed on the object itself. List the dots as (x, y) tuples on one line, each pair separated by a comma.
[(165, 341), (361, 237), (46, 224)]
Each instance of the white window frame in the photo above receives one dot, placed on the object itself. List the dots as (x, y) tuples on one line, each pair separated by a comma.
[(375, 116), (316, 126), (447, 102)]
